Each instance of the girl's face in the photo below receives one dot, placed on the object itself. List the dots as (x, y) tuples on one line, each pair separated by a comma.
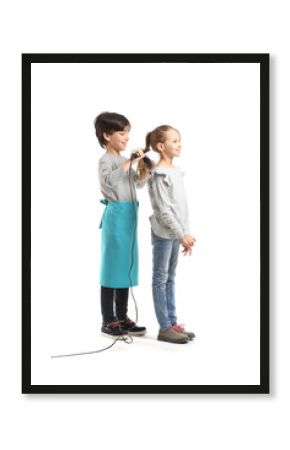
[(118, 140), (172, 146)]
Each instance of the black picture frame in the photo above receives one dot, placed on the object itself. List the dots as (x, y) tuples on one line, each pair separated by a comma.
[(27, 61)]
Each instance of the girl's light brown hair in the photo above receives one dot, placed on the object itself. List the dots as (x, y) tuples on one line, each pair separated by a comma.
[(152, 139), (156, 136)]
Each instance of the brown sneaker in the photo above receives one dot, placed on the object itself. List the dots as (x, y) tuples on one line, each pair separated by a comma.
[(180, 329), (172, 336)]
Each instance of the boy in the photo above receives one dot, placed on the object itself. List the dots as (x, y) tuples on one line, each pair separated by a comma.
[(119, 254)]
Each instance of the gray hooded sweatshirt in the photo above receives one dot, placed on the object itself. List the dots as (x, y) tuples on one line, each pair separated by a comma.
[(170, 219)]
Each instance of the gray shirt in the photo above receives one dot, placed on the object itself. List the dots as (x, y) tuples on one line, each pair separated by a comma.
[(114, 181), (170, 219)]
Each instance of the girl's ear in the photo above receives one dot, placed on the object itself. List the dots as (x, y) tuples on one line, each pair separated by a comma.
[(160, 147)]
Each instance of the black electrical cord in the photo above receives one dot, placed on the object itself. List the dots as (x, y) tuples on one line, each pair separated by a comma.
[(148, 163), (127, 339), (134, 204)]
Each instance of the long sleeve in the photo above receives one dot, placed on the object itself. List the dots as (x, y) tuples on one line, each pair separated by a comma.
[(186, 228), (163, 207), (108, 176), (114, 181)]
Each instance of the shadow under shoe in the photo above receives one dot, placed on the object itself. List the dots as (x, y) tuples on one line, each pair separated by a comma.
[(172, 336)]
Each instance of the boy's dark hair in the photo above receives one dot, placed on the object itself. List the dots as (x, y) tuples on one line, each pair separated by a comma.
[(108, 122)]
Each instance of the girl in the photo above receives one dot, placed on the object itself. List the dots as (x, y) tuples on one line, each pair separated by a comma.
[(119, 253), (170, 228)]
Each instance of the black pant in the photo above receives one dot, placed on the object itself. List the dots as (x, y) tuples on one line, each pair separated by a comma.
[(111, 297)]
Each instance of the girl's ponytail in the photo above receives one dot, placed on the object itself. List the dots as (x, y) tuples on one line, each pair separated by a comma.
[(141, 163)]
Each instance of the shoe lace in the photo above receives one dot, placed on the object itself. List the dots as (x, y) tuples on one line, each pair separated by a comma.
[(113, 325), (179, 328), (126, 321)]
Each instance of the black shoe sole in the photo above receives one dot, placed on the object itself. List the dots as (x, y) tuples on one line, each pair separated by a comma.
[(137, 333)]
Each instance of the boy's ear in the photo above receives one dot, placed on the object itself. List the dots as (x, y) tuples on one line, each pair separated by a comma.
[(106, 136)]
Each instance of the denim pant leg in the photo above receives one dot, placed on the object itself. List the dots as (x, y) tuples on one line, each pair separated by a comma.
[(162, 249), (170, 285)]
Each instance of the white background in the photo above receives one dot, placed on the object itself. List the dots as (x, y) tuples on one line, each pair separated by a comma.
[(216, 108), (201, 421)]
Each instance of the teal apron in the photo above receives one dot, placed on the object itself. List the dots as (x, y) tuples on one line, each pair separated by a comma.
[(119, 248)]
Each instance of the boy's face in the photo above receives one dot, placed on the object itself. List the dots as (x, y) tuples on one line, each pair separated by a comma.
[(117, 140)]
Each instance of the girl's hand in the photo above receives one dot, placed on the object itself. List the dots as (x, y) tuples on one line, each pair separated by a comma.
[(187, 251), (190, 239), (187, 240)]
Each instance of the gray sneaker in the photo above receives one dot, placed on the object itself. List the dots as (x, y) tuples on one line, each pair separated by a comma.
[(170, 335), (181, 329)]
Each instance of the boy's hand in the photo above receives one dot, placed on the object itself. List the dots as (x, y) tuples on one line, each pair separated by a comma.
[(132, 160), (148, 163), (141, 153), (145, 170)]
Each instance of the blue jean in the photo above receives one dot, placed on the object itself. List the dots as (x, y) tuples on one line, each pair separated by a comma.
[(165, 256)]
